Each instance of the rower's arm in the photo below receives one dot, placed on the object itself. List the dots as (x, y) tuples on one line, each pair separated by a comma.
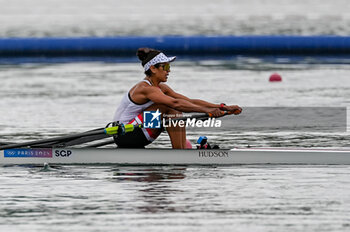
[(232, 108), (170, 92), (182, 104)]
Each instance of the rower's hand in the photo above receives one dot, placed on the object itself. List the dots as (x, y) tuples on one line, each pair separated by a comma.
[(215, 112), (235, 109)]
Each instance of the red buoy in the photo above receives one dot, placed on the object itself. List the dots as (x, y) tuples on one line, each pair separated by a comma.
[(275, 77)]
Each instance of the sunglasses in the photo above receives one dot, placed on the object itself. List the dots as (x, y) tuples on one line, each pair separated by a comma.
[(166, 67)]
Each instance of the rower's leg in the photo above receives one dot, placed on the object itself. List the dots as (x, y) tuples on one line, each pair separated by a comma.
[(183, 138), (177, 137), (176, 133)]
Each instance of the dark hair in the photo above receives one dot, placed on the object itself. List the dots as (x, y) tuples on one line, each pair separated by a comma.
[(145, 55)]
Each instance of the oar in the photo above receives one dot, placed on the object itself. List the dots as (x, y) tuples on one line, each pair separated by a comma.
[(100, 131), (82, 140), (101, 144), (201, 116)]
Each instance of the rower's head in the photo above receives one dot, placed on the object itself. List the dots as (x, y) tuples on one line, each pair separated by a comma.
[(153, 58)]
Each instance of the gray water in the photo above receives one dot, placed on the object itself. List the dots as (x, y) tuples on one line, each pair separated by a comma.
[(239, 198), (45, 100), (49, 99), (42, 18)]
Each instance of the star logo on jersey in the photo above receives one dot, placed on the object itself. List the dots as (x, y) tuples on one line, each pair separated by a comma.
[(151, 119)]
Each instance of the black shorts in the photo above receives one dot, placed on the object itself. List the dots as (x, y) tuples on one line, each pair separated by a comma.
[(134, 139)]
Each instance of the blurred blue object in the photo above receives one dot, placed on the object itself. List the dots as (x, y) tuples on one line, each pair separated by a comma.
[(179, 45)]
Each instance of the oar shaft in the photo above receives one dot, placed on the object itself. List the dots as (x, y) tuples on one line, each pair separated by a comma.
[(56, 139), (114, 130)]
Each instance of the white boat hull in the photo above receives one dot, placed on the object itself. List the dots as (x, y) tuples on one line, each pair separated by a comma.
[(174, 157)]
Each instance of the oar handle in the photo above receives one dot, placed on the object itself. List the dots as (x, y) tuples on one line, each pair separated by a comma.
[(224, 113)]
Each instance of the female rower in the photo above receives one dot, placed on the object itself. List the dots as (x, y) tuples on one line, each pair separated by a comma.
[(152, 94)]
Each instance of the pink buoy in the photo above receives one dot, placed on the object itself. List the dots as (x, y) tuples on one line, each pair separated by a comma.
[(275, 77), (188, 144)]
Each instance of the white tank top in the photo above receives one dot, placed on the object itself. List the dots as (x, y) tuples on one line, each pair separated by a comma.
[(128, 110)]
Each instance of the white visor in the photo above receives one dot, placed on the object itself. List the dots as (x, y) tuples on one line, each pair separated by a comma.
[(160, 58)]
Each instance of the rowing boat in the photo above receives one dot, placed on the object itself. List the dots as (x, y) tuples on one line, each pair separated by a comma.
[(174, 157), (61, 150)]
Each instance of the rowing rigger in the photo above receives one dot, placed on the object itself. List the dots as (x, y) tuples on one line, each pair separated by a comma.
[(111, 129)]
